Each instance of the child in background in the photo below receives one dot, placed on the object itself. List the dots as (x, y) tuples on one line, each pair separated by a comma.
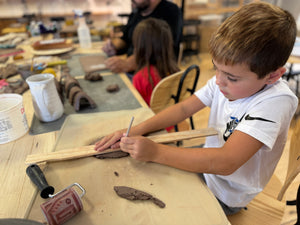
[(153, 51), (250, 106)]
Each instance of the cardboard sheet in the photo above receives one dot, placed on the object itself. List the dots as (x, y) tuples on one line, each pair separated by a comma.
[(187, 198)]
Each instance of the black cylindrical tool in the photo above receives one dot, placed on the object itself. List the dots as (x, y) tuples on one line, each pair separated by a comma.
[(37, 177)]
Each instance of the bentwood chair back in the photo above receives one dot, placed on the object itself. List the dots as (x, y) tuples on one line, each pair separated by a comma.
[(175, 88), (267, 208)]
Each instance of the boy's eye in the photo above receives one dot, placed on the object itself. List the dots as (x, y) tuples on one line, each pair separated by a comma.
[(231, 79)]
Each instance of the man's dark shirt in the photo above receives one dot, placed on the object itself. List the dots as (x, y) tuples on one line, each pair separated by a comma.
[(165, 10)]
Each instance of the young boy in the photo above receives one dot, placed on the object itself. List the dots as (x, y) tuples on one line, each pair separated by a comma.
[(251, 107)]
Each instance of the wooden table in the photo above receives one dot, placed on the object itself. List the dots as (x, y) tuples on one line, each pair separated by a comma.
[(17, 190), (19, 199), (294, 59)]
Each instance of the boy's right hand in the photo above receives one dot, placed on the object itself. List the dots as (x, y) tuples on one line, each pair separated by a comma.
[(110, 141)]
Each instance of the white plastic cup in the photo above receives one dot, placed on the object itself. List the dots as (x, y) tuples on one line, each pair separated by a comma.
[(46, 101), (13, 122)]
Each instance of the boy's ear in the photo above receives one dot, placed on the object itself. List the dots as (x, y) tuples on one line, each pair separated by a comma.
[(275, 75)]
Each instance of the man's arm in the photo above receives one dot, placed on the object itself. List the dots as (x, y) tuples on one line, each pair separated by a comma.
[(169, 116), (118, 64)]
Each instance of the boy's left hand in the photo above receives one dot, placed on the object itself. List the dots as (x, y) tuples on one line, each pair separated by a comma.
[(139, 148)]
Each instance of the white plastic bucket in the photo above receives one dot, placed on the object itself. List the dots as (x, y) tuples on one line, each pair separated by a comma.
[(13, 122)]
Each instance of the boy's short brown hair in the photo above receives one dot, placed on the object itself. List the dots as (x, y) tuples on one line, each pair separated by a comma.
[(259, 34)]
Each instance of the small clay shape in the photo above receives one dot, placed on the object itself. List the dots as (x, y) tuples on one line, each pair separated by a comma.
[(22, 88), (113, 88), (93, 76), (3, 59), (6, 89), (8, 71)]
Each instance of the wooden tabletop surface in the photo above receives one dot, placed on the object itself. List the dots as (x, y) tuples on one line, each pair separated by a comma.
[(18, 194)]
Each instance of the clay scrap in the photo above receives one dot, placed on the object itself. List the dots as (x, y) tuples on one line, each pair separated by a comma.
[(17, 87), (93, 76), (108, 155), (8, 71), (112, 88), (112, 155), (134, 194)]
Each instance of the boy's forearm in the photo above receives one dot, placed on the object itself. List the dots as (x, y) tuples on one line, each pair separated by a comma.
[(223, 161), (162, 120), (188, 159), (196, 160), (170, 116)]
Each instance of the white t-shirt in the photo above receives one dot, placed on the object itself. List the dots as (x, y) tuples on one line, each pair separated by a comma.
[(265, 116)]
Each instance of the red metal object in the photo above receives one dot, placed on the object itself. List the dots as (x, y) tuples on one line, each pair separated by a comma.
[(62, 207)]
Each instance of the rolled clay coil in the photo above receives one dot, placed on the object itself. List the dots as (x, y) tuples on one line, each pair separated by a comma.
[(81, 99)]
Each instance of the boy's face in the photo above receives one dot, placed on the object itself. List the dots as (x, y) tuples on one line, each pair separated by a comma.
[(237, 81)]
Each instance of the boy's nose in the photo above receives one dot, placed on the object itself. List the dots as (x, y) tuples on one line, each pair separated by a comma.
[(220, 80)]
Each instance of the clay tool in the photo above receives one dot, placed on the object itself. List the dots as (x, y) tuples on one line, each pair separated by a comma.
[(129, 127), (63, 205), (37, 177)]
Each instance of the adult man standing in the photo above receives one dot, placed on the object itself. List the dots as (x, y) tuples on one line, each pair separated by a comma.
[(142, 9)]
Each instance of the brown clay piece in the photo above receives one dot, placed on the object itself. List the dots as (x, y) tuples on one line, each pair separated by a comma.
[(93, 76), (3, 59), (74, 90), (134, 194), (9, 70), (22, 88), (17, 87), (112, 88), (69, 83), (81, 99), (112, 155)]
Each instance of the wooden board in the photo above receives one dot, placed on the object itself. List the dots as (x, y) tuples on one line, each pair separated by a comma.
[(187, 199), (92, 63), (85, 151), (51, 51)]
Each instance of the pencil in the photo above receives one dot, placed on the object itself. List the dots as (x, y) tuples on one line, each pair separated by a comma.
[(130, 124)]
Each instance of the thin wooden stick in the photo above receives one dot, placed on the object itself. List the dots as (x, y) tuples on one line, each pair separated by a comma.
[(85, 151)]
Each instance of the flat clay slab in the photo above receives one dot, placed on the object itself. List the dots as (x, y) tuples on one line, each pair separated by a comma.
[(92, 63)]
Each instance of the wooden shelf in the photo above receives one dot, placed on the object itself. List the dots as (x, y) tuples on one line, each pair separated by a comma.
[(192, 9)]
